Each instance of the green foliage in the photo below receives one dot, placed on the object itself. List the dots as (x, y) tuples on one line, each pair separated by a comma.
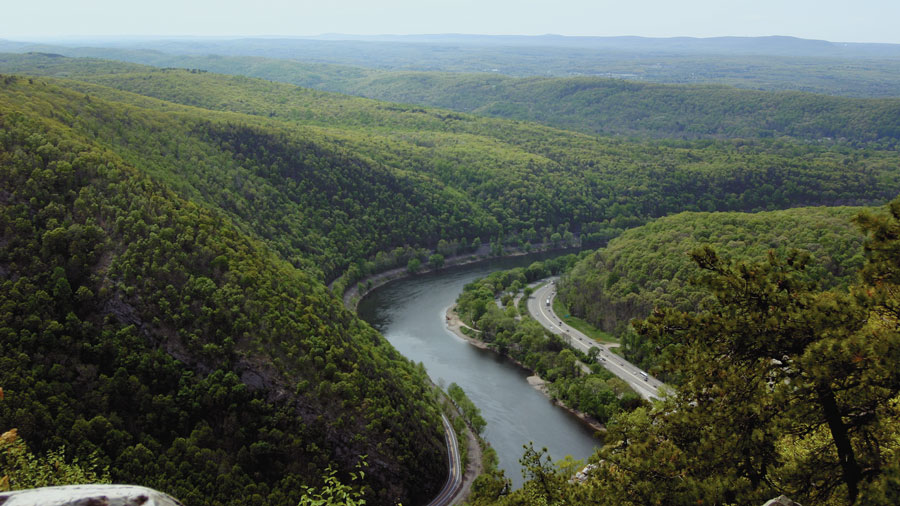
[(469, 410), (595, 392), (21, 469), (617, 107), (165, 234), (601, 104), (151, 332), (333, 492), (780, 360), (547, 483), (649, 266), (436, 261), (403, 175), (785, 388)]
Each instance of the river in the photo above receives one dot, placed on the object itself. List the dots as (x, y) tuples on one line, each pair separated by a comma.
[(410, 314)]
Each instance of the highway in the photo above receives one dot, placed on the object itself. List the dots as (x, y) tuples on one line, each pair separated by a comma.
[(448, 494), (646, 386)]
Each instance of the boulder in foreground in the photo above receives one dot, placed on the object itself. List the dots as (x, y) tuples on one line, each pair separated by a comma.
[(88, 495)]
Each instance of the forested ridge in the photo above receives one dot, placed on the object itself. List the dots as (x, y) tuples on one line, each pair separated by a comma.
[(167, 234), (650, 266), (588, 104), (186, 354), (529, 181), (318, 203), (618, 107), (761, 63)]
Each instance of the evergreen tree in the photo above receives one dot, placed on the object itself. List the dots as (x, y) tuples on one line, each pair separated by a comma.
[(783, 387)]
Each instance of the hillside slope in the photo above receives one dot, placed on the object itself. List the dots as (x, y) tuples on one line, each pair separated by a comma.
[(617, 107), (587, 104), (781, 387), (149, 329), (650, 266), (402, 175)]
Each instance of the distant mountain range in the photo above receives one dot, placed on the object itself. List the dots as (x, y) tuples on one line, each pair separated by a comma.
[(770, 45), (778, 45), (761, 63)]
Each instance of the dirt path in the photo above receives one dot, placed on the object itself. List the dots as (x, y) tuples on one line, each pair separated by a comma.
[(455, 325)]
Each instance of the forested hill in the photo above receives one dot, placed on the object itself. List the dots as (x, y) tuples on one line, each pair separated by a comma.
[(618, 107), (587, 104), (354, 177), (318, 203), (781, 387), (191, 358), (650, 266)]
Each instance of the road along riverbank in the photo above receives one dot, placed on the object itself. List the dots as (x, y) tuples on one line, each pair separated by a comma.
[(540, 306), (456, 325), (411, 313), (353, 294)]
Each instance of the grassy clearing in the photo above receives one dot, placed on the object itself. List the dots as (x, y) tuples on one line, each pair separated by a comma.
[(580, 325)]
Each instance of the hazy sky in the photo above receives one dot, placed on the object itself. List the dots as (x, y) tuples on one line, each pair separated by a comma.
[(835, 20)]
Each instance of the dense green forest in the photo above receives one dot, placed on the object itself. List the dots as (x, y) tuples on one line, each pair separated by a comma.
[(319, 204), (151, 332), (488, 178), (166, 236), (783, 387), (618, 107), (587, 104), (650, 266)]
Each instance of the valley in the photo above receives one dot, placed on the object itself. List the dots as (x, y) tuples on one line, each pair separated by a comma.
[(176, 245)]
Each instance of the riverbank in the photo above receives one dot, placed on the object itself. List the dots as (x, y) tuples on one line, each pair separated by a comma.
[(411, 315), (352, 295), (455, 324)]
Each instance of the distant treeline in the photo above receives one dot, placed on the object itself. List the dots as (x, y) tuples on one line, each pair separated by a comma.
[(759, 63), (631, 109), (595, 104)]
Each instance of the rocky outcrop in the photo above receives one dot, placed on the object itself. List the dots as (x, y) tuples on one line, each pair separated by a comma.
[(132, 495), (88, 495), (781, 501)]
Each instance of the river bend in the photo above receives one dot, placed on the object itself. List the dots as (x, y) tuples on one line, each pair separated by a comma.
[(410, 314)]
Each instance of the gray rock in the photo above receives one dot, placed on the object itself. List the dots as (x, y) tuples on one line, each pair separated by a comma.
[(781, 501), (88, 495)]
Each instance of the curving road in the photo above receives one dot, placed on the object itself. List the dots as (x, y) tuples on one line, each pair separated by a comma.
[(646, 386), (452, 487)]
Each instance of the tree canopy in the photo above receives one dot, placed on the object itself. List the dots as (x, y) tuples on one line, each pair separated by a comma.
[(782, 388)]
